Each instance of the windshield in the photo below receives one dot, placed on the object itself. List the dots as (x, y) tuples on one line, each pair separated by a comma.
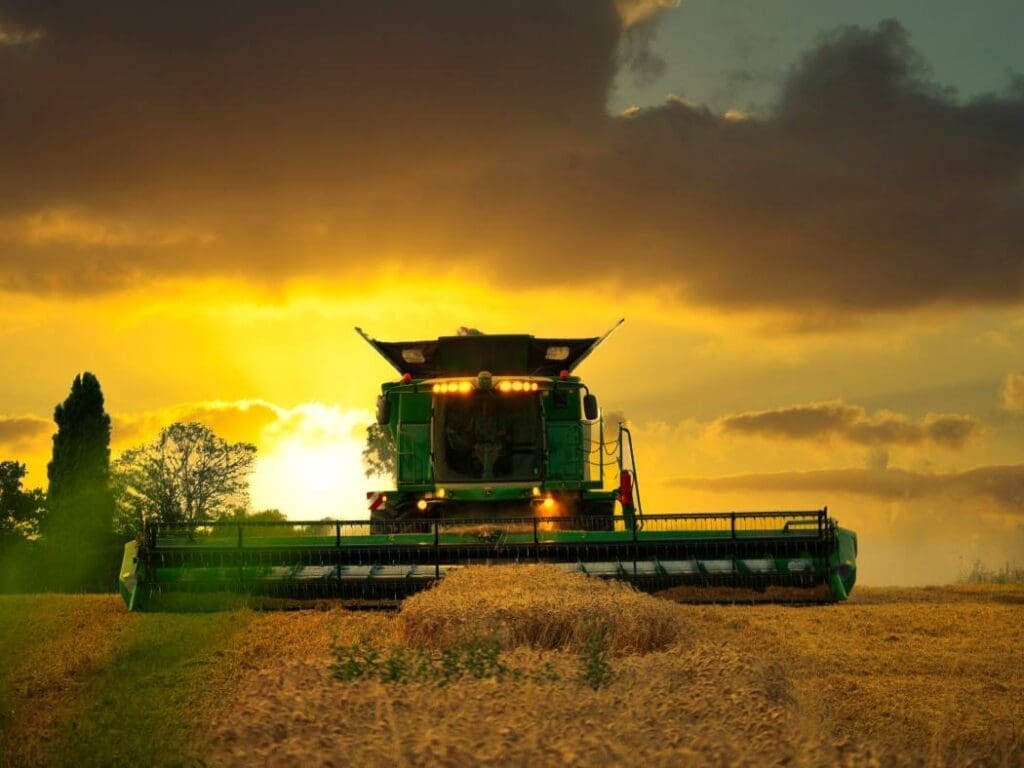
[(487, 436)]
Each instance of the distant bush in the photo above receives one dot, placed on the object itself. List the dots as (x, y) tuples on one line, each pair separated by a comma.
[(979, 573)]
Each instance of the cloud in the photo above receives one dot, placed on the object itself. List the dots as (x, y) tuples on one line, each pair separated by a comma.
[(838, 420), (252, 421), (1013, 392), (236, 421), (330, 139), (17, 432), (15, 36), (1003, 485), (77, 228), (640, 28), (735, 115), (634, 12), (877, 458)]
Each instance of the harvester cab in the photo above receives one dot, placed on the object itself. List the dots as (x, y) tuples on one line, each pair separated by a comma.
[(492, 427), (501, 456)]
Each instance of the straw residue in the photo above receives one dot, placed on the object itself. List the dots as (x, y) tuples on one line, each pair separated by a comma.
[(538, 606)]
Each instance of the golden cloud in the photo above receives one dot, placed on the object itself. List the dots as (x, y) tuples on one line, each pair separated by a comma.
[(76, 227), (15, 36), (18, 432), (239, 421), (634, 12), (1003, 485)]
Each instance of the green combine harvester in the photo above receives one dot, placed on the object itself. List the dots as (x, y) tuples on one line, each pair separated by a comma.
[(501, 456)]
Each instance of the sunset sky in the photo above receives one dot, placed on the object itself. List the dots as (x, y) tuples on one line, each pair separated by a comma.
[(811, 215)]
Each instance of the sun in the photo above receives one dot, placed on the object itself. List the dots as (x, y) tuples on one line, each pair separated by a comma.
[(310, 465)]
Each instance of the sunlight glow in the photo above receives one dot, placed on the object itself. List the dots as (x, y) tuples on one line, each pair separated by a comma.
[(311, 465)]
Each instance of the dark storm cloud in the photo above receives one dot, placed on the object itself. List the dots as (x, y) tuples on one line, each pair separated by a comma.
[(271, 138), (1002, 484), (265, 140), (195, 95), (866, 188), (837, 420)]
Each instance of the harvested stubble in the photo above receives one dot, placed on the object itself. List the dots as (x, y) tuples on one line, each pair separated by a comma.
[(901, 677), (773, 594), (537, 606)]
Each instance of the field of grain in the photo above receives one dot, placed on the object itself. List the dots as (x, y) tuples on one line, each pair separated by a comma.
[(929, 677)]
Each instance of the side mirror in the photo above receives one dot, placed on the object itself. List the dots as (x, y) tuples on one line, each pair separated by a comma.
[(590, 410), (383, 410)]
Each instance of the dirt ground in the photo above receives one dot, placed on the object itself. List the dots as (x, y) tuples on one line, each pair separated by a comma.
[(895, 677)]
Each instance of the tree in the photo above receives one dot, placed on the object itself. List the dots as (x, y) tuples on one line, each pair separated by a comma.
[(130, 508), (188, 475), (379, 453), (21, 512), (79, 497)]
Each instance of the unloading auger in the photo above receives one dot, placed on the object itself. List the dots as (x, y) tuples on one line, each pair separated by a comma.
[(500, 457)]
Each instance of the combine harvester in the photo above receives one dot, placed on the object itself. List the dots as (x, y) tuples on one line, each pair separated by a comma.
[(500, 457)]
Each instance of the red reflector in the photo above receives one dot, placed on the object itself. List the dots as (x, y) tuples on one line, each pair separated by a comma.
[(626, 488), (563, 374), (406, 378)]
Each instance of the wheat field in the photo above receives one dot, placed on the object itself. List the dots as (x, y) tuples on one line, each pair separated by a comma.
[(916, 677)]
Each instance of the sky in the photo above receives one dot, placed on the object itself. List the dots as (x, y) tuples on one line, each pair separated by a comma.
[(811, 215)]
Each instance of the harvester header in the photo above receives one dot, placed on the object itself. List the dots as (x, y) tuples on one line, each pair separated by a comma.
[(501, 455)]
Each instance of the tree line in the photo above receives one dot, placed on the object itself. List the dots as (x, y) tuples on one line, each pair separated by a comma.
[(70, 536)]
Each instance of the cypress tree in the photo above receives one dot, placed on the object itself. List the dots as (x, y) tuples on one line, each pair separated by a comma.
[(81, 505)]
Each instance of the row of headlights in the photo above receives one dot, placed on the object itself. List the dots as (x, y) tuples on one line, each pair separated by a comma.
[(518, 386), (465, 387), (453, 388)]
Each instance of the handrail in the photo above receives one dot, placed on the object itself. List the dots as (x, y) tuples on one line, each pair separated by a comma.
[(664, 516), (787, 524), (624, 430)]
